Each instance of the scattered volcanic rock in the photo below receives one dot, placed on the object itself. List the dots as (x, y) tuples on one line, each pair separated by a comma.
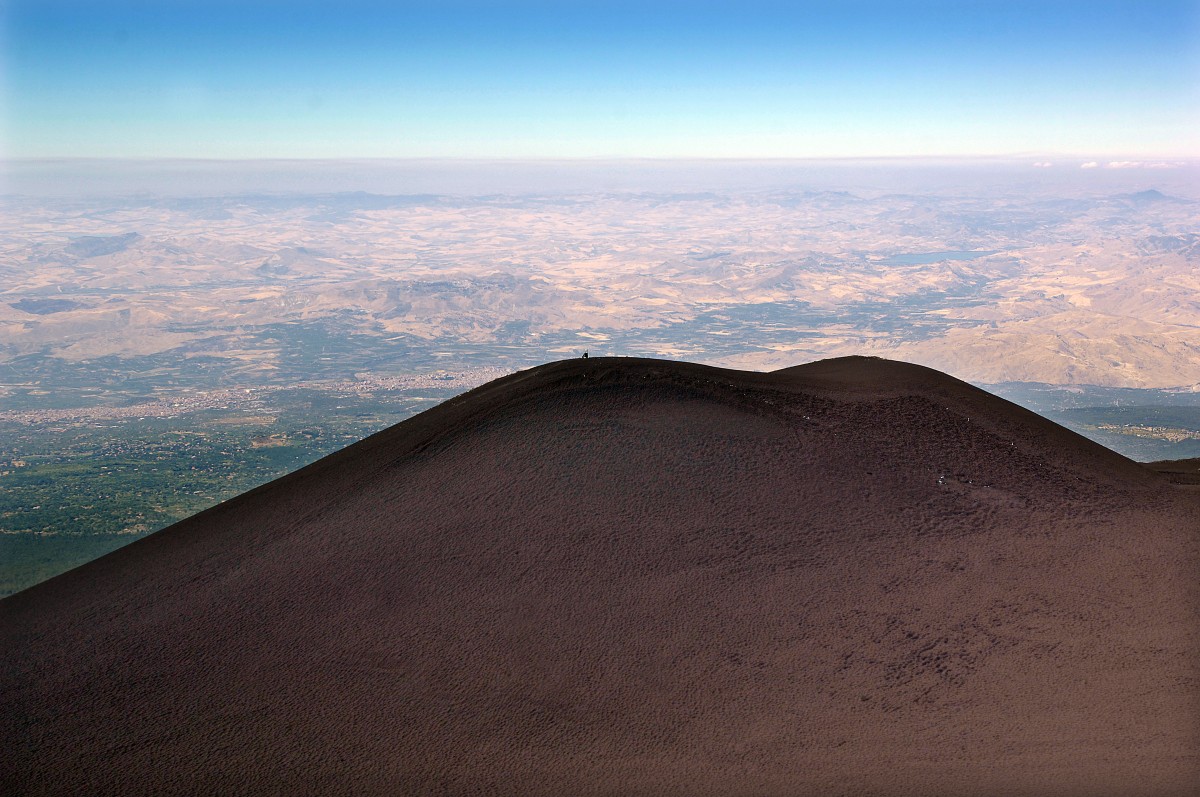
[(622, 576)]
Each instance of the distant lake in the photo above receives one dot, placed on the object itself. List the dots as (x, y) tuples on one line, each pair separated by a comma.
[(921, 258)]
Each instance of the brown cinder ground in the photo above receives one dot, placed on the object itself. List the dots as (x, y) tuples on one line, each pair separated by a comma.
[(621, 576)]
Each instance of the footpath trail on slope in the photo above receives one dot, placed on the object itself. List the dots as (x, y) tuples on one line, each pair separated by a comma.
[(624, 576)]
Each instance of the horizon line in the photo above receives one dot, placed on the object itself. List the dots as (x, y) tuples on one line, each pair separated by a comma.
[(1020, 156)]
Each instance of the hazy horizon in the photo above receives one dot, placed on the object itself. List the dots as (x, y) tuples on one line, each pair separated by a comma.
[(178, 177)]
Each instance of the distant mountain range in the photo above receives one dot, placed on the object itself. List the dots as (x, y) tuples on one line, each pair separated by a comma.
[(629, 576)]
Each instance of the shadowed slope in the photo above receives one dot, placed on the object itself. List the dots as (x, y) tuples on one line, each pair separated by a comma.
[(633, 576), (1178, 471)]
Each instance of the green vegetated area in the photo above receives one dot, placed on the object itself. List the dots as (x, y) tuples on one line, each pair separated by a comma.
[(1140, 432), (26, 559), (71, 493), (1144, 424)]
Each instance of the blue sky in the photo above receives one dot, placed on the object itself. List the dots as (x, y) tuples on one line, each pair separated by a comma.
[(578, 79)]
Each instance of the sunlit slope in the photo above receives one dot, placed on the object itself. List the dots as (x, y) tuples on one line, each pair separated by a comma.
[(636, 576)]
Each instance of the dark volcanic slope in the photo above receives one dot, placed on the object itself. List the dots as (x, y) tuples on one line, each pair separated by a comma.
[(616, 576)]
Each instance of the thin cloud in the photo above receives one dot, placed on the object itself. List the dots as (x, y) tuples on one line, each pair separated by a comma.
[(1089, 165)]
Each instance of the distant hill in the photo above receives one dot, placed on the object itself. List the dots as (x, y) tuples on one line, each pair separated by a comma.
[(100, 245), (623, 576), (1151, 196)]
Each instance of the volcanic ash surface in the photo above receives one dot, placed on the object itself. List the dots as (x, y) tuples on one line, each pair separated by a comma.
[(618, 576)]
